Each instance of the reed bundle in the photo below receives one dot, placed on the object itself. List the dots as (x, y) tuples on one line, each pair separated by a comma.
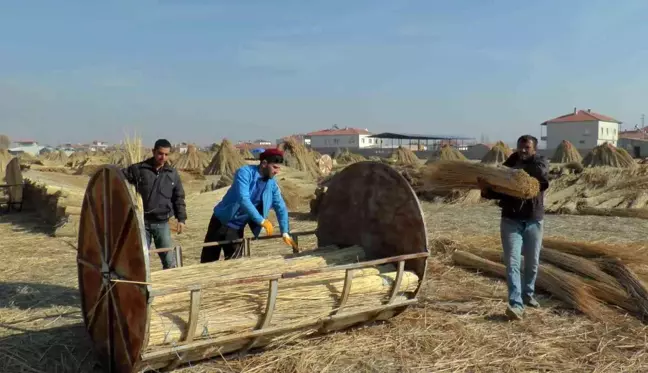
[(231, 309), (246, 153), (447, 175), (133, 154), (76, 159), (630, 281), (404, 156), (566, 153), (297, 156), (5, 157), (578, 265), (346, 157), (498, 154), (226, 161), (191, 160), (631, 253), (608, 155), (57, 157), (447, 153), (561, 284)]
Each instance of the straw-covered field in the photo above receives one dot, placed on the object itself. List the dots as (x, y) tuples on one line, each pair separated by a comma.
[(457, 327)]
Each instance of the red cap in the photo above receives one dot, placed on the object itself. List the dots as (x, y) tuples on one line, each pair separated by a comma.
[(272, 155)]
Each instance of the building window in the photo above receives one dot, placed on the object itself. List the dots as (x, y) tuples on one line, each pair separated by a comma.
[(336, 141), (363, 140), (582, 141), (607, 131)]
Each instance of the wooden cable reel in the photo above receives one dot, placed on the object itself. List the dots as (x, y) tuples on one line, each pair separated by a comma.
[(367, 204)]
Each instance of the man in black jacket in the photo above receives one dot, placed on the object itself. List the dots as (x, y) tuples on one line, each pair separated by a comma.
[(163, 196), (521, 227)]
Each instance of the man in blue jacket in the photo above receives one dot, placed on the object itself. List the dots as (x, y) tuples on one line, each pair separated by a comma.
[(521, 227), (247, 202)]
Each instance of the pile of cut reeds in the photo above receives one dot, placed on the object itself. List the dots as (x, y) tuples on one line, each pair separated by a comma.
[(192, 160), (346, 157), (238, 308), (566, 153), (297, 156), (608, 155), (226, 161), (404, 156), (448, 175), (447, 153), (498, 154), (585, 275), (246, 153)]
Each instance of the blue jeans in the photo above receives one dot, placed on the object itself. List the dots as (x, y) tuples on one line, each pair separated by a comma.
[(521, 237), (161, 235)]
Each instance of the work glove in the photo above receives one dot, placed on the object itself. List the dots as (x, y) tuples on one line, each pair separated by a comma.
[(289, 241), (267, 226)]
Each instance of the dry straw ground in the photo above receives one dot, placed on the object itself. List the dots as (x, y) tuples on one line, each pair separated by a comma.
[(457, 327)]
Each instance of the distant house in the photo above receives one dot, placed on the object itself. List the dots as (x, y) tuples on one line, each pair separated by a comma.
[(635, 141), (182, 147), (585, 129), (300, 138), (25, 146), (345, 138), (97, 146)]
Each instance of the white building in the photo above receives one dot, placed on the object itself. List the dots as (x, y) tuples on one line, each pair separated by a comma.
[(583, 128), (344, 138), (97, 146), (26, 146)]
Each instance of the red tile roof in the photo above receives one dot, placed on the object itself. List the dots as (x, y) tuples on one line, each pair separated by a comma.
[(641, 133), (582, 116), (340, 132)]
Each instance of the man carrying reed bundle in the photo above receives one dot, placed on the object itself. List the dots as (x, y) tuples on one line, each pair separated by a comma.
[(521, 227), (162, 195), (247, 202)]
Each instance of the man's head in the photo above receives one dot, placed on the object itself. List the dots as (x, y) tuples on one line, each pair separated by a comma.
[(161, 151), (527, 146), (271, 160)]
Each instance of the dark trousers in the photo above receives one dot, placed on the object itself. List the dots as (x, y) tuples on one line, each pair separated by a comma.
[(219, 232), (160, 234)]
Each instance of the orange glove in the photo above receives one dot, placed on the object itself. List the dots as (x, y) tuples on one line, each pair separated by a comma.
[(267, 226), (289, 241)]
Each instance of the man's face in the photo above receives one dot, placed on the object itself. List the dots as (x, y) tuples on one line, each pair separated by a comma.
[(526, 149), (161, 155), (269, 170)]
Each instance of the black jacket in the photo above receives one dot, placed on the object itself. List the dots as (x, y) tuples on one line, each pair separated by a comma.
[(161, 191), (518, 208)]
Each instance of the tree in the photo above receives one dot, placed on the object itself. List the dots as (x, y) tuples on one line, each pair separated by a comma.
[(214, 147), (4, 142)]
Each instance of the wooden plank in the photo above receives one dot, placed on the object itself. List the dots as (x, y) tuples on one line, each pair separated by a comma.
[(398, 281), (346, 290), (273, 289), (170, 352)]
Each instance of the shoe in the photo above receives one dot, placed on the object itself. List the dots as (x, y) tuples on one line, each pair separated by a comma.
[(532, 302), (514, 313)]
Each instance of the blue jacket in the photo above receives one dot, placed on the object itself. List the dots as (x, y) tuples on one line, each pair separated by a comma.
[(238, 196)]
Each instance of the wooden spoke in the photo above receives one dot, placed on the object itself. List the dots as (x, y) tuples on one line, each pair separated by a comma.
[(92, 212), (106, 210), (89, 265), (121, 238), (120, 326)]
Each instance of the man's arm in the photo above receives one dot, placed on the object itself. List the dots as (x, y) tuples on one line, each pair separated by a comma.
[(279, 205), (540, 171), (129, 174), (242, 187), (178, 201)]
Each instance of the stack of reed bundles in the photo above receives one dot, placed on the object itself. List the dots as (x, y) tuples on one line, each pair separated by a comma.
[(232, 309)]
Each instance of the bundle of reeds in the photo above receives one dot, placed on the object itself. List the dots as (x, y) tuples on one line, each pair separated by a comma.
[(497, 154), (226, 161), (5, 157), (191, 160), (297, 156), (76, 159), (632, 253), (630, 281), (404, 156), (231, 309), (346, 157), (57, 157), (566, 153), (133, 154), (246, 153), (4, 142), (447, 175), (447, 153), (608, 155)]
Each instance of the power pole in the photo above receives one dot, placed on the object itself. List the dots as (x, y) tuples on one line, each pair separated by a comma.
[(642, 120)]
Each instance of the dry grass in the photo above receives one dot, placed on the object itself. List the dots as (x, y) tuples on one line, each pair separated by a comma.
[(497, 154), (457, 327), (346, 157), (608, 155), (226, 161), (404, 157), (192, 160), (447, 153), (297, 156)]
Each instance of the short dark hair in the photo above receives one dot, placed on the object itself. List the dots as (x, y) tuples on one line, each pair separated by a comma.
[(527, 138), (161, 143)]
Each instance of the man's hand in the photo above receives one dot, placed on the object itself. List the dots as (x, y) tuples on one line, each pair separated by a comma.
[(267, 226), (180, 227), (289, 241)]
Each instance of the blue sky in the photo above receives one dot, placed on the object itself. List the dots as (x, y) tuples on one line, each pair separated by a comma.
[(201, 70)]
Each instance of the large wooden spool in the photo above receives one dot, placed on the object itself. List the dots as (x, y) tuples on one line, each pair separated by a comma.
[(367, 204)]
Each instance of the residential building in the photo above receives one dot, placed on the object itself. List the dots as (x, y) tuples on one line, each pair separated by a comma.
[(635, 141), (585, 129), (97, 146), (25, 146), (300, 138), (344, 138)]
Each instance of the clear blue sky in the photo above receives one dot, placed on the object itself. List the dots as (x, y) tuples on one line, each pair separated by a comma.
[(201, 70)]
